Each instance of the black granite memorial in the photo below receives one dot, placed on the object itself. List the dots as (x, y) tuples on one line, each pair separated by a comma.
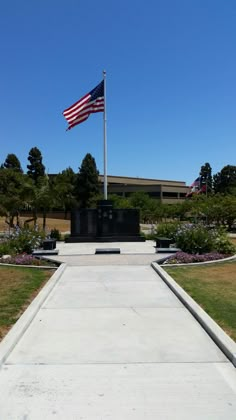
[(105, 224)]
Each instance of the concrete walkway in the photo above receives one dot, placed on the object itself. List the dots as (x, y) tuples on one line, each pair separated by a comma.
[(111, 341)]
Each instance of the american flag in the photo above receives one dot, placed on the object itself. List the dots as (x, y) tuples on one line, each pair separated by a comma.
[(194, 187), (90, 103), (196, 183)]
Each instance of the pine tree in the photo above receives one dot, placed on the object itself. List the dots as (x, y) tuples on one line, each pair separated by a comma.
[(225, 180), (12, 162), (87, 182), (206, 177), (36, 169)]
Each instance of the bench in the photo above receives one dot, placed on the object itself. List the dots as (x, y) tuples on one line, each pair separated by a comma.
[(162, 242), (49, 244)]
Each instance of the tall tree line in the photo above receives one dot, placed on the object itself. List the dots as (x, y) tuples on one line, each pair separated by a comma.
[(37, 191), (223, 182)]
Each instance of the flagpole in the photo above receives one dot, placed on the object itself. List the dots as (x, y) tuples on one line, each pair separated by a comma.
[(105, 138)]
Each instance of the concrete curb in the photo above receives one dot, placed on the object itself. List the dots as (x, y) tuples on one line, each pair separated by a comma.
[(45, 267), (223, 341), (18, 330)]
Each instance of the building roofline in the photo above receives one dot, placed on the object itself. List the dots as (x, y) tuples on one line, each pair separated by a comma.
[(138, 179)]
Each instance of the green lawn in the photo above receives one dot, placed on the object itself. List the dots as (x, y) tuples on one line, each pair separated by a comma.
[(18, 287), (213, 287)]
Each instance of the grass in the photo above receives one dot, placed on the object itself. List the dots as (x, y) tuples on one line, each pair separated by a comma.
[(18, 287), (233, 240), (213, 287)]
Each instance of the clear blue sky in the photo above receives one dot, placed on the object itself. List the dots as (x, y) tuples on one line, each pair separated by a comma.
[(171, 92)]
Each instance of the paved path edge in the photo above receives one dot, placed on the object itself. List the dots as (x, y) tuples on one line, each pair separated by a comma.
[(223, 341), (16, 332)]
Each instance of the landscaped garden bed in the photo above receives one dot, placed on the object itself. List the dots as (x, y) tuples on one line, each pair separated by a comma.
[(17, 246), (185, 258), (25, 260), (198, 242)]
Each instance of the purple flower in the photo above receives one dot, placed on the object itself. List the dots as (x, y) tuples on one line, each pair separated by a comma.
[(23, 259), (185, 258)]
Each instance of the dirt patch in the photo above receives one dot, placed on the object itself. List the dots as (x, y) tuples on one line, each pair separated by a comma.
[(60, 224)]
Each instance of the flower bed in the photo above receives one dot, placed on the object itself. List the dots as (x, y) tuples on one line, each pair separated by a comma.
[(198, 242), (185, 258), (23, 259), (21, 241)]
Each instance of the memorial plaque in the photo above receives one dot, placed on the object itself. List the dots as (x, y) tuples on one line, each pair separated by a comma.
[(105, 224)]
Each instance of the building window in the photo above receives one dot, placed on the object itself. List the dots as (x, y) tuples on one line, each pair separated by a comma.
[(170, 194), (154, 194)]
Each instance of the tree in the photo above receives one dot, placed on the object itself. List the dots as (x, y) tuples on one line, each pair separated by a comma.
[(41, 196), (206, 177), (12, 193), (220, 209), (36, 169), (44, 197), (119, 202), (87, 183), (148, 206), (64, 186), (12, 162), (178, 210), (225, 181)]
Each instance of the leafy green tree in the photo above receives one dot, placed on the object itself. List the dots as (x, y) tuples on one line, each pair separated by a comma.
[(220, 209), (225, 181), (139, 199), (12, 193), (216, 209), (64, 186), (44, 197), (41, 197), (147, 206), (229, 207), (36, 169), (12, 162), (87, 182), (119, 202)]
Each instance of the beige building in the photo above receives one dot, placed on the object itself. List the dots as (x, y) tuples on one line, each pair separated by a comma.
[(166, 191)]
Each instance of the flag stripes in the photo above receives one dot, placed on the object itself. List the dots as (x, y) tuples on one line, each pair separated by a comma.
[(91, 103), (197, 187)]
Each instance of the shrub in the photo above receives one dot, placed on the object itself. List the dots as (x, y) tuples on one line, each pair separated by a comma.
[(167, 229), (194, 239), (201, 239), (23, 241), (27, 240), (222, 243), (55, 234), (148, 236), (5, 248)]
